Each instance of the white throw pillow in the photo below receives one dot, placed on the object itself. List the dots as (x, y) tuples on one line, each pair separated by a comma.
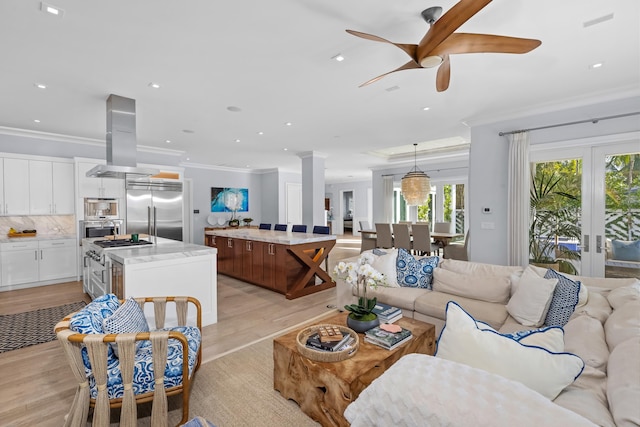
[(530, 303), (544, 371), (386, 264)]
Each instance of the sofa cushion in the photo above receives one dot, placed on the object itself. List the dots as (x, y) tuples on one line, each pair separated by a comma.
[(597, 307), (626, 250), (584, 336), (385, 263), (564, 301), (489, 289), (479, 269), (434, 304), (415, 273), (587, 396), (620, 296), (400, 297), (530, 303), (623, 382), (546, 372), (624, 323)]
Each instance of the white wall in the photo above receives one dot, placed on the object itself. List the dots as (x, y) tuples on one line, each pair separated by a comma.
[(488, 168), (360, 200)]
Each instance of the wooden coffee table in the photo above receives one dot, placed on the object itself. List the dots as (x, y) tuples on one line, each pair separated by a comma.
[(324, 389)]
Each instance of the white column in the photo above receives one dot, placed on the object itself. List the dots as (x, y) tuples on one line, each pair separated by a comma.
[(312, 188)]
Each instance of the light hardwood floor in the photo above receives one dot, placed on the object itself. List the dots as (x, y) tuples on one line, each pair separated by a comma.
[(36, 384)]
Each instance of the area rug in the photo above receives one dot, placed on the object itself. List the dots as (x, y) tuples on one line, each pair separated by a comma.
[(32, 327), (233, 391)]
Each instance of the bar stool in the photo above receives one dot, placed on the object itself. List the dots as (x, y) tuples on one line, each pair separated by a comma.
[(264, 226)]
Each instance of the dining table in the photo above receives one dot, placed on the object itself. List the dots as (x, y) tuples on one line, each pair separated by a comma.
[(443, 239)]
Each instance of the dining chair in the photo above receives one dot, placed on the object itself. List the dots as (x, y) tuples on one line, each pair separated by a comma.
[(299, 228), (264, 226), (422, 244), (402, 237), (442, 227), (322, 229), (409, 223), (458, 250), (384, 237), (364, 225), (280, 227)]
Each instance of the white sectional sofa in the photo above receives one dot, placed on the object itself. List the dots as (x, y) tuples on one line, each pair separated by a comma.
[(603, 329)]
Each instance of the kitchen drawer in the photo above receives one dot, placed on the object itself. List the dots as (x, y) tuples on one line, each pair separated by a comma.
[(57, 243), (19, 245)]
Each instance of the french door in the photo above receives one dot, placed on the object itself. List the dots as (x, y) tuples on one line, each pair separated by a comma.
[(610, 199)]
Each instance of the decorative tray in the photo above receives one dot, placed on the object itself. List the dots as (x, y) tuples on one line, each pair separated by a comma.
[(12, 235), (326, 356)]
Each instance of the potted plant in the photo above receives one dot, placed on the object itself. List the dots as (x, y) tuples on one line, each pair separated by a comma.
[(234, 222), (361, 275), (247, 221), (553, 214)]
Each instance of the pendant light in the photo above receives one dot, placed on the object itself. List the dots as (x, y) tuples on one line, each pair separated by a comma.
[(415, 184)]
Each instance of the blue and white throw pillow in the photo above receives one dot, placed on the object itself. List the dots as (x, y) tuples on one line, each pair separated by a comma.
[(379, 252), (89, 320), (415, 273), (129, 318), (564, 300)]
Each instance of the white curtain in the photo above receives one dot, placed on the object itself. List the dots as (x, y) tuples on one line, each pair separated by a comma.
[(387, 197), (518, 200)]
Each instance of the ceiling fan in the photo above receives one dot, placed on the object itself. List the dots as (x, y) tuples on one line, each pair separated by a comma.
[(441, 40)]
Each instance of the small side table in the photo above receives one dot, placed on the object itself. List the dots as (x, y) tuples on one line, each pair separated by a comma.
[(323, 390)]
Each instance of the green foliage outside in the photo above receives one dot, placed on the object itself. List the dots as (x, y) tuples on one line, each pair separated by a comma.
[(448, 205)]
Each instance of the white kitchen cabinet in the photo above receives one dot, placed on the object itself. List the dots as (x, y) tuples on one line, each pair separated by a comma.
[(19, 262), (57, 259), (16, 187), (50, 188), (1, 186), (33, 263), (98, 187)]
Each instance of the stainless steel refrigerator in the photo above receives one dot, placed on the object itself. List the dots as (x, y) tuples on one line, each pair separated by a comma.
[(154, 208)]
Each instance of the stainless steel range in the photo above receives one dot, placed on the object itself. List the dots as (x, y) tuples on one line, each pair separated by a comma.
[(102, 275)]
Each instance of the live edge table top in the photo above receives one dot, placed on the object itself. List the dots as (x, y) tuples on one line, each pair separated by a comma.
[(323, 390)]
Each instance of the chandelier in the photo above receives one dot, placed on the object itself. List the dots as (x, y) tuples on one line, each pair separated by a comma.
[(415, 184)]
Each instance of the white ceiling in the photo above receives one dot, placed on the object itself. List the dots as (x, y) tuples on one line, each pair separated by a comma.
[(272, 60)]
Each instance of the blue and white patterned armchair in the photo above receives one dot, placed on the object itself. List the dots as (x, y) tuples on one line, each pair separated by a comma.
[(116, 369)]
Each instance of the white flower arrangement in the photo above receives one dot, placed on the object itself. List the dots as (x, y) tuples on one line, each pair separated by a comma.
[(362, 275)]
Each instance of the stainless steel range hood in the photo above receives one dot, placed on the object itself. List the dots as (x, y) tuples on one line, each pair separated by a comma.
[(121, 142)]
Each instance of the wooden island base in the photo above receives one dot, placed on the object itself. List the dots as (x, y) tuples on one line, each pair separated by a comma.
[(323, 390)]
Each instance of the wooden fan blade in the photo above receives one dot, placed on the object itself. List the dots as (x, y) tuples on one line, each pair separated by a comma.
[(480, 43), (410, 49), (443, 75), (408, 66), (460, 13)]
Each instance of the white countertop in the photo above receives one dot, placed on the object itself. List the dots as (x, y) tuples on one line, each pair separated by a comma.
[(272, 236), (6, 239), (162, 249)]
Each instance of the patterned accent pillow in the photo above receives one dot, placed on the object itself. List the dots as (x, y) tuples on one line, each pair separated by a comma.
[(379, 252), (415, 273), (564, 300), (89, 319), (129, 318)]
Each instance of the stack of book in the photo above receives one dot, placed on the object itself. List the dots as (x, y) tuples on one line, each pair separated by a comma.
[(385, 339), (387, 313), (336, 341)]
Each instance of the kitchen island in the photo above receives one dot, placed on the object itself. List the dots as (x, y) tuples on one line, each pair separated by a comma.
[(166, 267), (285, 262)]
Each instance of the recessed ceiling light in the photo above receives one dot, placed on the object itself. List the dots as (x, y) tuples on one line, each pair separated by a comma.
[(36, 120), (261, 133), (285, 149), (288, 124), (168, 141), (247, 166), (338, 57), (154, 85), (237, 140), (234, 109), (40, 85), (52, 10), (425, 108), (188, 158), (596, 65)]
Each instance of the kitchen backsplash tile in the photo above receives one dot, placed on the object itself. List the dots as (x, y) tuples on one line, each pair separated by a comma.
[(46, 225)]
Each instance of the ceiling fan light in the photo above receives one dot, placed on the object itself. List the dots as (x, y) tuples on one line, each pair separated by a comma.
[(431, 61)]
